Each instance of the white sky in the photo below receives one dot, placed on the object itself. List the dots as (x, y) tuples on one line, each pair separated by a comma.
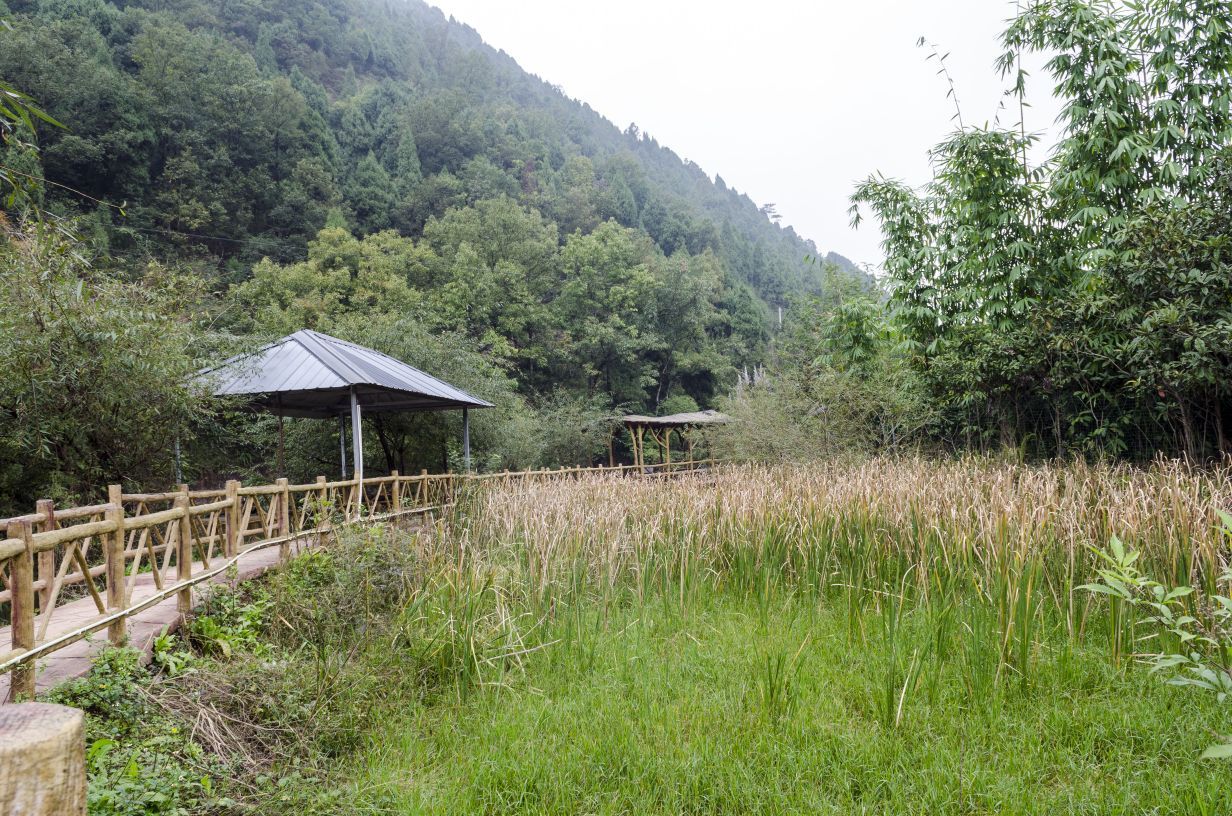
[(791, 102)]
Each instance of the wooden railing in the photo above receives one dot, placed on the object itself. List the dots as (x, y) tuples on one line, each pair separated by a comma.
[(179, 539)]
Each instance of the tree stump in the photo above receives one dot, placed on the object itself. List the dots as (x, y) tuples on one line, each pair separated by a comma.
[(42, 760)]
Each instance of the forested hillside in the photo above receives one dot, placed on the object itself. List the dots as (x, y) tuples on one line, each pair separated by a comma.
[(371, 169), (233, 129)]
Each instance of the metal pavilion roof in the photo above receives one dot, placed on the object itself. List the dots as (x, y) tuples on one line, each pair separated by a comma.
[(309, 374)]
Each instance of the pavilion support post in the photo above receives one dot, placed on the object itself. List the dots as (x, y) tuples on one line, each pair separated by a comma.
[(357, 449), (342, 443), (466, 440), (658, 440), (282, 447)]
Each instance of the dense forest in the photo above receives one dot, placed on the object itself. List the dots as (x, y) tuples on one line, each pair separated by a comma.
[(371, 169)]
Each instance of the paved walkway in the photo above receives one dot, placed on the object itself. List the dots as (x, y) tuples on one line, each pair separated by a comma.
[(75, 659)]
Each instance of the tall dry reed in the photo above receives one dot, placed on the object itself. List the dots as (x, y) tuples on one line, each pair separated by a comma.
[(1021, 536)]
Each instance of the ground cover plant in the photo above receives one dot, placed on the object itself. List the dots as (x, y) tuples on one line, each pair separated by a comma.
[(890, 636), (886, 637)]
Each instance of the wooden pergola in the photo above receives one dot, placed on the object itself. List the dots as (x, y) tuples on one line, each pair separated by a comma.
[(661, 429)]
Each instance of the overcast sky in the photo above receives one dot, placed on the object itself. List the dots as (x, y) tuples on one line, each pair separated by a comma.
[(791, 102)]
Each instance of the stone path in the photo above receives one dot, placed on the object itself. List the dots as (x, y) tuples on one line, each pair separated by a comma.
[(75, 659)]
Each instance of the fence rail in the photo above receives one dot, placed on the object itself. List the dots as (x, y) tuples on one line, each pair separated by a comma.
[(178, 539)]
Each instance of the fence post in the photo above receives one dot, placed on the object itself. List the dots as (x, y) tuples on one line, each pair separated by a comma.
[(46, 563), (183, 554), (42, 760), (21, 605), (284, 519), (396, 495), (117, 630), (232, 544), (322, 514)]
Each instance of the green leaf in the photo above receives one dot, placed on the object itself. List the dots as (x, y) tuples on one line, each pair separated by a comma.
[(1103, 589), (1221, 751)]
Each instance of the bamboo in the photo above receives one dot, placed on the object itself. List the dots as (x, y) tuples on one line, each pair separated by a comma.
[(114, 551), (21, 584)]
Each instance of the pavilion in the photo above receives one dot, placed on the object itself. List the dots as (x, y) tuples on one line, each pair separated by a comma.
[(661, 429), (310, 374)]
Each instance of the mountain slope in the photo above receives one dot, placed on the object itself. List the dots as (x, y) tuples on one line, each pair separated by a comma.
[(245, 122)]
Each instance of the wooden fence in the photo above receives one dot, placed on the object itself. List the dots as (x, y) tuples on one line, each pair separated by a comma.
[(184, 537)]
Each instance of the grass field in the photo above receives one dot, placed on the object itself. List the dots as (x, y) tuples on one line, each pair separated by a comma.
[(724, 711), (896, 637)]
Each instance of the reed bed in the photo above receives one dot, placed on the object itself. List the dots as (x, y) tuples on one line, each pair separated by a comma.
[(888, 636), (909, 523)]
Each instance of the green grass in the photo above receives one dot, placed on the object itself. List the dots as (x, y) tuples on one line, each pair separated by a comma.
[(897, 638), (736, 704)]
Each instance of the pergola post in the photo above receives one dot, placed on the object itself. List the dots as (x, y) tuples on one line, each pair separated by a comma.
[(466, 440), (357, 446)]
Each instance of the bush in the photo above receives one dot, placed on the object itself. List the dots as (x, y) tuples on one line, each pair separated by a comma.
[(139, 759)]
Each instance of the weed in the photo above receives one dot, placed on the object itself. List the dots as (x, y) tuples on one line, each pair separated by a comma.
[(139, 759)]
